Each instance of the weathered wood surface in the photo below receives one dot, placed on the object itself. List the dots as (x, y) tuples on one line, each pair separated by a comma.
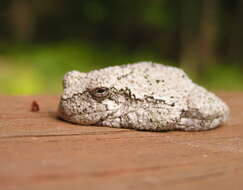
[(39, 151)]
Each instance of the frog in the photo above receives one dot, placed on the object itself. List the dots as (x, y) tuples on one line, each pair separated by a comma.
[(143, 96)]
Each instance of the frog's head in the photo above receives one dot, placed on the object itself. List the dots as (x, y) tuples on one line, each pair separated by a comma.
[(88, 100)]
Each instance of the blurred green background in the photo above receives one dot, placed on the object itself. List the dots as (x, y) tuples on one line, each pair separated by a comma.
[(41, 40)]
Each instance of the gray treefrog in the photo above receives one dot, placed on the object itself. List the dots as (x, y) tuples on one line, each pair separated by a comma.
[(142, 96)]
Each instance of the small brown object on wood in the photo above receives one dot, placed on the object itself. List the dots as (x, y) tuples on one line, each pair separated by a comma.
[(35, 106)]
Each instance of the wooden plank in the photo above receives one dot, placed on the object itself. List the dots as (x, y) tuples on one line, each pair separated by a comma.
[(39, 151)]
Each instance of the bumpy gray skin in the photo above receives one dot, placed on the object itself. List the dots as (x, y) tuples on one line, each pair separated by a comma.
[(142, 96)]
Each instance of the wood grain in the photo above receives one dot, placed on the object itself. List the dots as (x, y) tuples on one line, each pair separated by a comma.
[(39, 151)]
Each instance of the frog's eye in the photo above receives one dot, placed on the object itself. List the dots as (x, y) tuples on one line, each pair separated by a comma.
[(100, 92)]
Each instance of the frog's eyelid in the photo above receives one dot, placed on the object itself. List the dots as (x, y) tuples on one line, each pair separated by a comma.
[(99, 92)]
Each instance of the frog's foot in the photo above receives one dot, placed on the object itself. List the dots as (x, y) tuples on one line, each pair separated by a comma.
[(205, 111)]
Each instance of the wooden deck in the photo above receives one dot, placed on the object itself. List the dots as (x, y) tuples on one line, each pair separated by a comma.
[(39, 151)]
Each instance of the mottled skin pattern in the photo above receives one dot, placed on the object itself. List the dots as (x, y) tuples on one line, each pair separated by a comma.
[(142, 96)]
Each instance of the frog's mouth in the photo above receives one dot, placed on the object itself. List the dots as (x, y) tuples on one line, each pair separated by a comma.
[(85, 119), (93, 113)]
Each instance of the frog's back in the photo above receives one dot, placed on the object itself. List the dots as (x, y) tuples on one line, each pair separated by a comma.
[(145, 79)]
